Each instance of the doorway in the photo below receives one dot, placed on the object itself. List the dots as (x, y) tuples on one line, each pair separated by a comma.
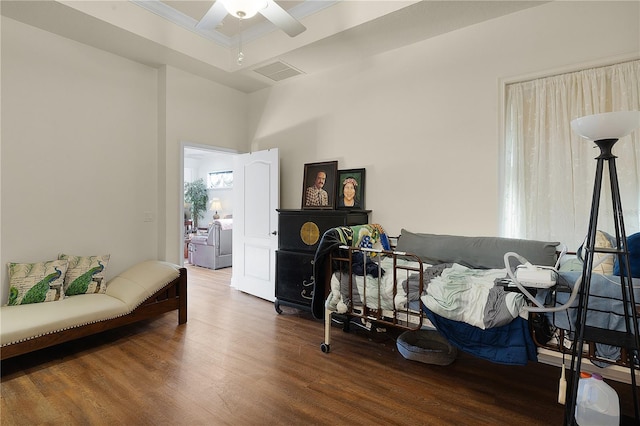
[(206, 163), (254, 193)]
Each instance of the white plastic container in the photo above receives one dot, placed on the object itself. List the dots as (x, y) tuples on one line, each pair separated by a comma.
[(597, 403)]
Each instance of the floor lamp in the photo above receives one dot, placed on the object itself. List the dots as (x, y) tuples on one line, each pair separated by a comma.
[(605, 130)]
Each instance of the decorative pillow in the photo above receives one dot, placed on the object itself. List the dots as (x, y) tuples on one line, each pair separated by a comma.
[(633, 245), (85, 274), (36, 282)]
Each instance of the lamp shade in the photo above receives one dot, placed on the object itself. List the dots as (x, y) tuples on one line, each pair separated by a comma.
[(244, 9), (215, 206), (609, 125)]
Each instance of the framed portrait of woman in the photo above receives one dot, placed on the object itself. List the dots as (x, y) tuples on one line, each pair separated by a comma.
[(350, 189), (319, 188)]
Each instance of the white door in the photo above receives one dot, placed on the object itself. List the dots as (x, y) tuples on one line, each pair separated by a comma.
[(256, 196)]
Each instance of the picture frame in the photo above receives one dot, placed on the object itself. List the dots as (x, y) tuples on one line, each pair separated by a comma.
[(220, 180), (350, 178), (321, 195)]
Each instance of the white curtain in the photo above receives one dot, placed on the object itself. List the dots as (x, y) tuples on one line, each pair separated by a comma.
[(549, 171)]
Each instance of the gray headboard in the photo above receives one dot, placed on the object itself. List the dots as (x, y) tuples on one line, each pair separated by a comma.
[(474, 252)]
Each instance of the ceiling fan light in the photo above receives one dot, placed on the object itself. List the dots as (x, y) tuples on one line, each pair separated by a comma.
[(244, 9)]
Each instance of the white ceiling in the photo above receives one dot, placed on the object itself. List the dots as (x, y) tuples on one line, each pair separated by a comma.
[(163, 32), (188, 12)]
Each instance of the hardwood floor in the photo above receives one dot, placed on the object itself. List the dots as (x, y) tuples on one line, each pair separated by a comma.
[(238, 362)]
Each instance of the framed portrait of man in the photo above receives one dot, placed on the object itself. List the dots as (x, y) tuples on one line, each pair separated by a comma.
[(350, 189), (319, 187)]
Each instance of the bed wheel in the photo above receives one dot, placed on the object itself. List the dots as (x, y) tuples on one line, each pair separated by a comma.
[(325, 348)]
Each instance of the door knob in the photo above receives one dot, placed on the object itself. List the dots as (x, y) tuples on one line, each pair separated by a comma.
[(274, 233)]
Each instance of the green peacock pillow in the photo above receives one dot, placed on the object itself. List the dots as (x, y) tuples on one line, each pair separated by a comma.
[(36, 282), (85, 274)]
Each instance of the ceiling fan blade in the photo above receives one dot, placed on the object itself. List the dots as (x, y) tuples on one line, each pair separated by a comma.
[(282, 19), (213, 17)]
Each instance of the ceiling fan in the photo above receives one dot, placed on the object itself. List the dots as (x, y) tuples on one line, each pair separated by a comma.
[(245, 9)]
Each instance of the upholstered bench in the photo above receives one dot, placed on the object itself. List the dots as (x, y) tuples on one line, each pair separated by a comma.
[(143, 291)]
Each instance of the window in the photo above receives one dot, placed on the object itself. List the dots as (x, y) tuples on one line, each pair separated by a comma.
[(220, 180), (549, 171)]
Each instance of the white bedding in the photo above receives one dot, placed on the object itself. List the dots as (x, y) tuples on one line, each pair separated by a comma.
[(459, 293), (463, 294), (335, 302)]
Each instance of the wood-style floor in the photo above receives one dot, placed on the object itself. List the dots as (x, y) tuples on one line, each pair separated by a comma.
[(237, 362)]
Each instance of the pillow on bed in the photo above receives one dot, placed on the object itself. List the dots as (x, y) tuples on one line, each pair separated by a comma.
[(604, 262), (474, 252), (572, 264), (633, 245)]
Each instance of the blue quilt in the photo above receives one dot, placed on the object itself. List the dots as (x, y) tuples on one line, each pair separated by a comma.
[(606, 309), (509, 344)]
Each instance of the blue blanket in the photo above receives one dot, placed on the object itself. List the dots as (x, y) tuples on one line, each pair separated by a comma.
[(605, 302), (605, 306), (509, 344)]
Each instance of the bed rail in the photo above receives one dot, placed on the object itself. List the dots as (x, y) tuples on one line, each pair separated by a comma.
[(364, 307), (561, 341), (362, 295)]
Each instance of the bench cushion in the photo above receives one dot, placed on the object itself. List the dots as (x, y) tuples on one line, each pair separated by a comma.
[(124, 293), (141, 281), (28, 321)]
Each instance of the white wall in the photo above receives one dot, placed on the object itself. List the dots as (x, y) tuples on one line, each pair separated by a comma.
[(197, 111), (91, 143), (79, 165), (424, 120)]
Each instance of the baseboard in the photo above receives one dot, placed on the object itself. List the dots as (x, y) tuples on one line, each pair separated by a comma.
[(613, 372)]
